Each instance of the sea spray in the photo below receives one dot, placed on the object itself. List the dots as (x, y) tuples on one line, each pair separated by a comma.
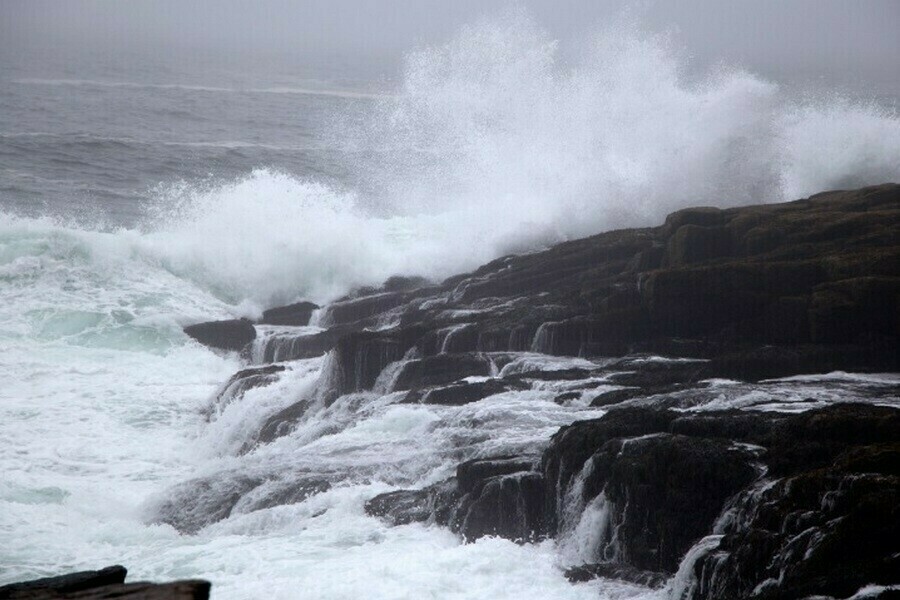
[(493, 144)]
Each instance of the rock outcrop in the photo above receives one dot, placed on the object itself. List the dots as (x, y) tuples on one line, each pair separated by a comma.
[(106, 583), (733, 493)]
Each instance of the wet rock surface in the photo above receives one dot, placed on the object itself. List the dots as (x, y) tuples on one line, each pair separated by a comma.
[(647, 360), (105, 583), (233, 334)]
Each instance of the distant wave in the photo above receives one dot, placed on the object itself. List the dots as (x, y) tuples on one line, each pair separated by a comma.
[(202, 88), (90, 139)]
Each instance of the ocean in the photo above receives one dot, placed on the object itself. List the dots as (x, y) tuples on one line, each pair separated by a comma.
[(138, 196)]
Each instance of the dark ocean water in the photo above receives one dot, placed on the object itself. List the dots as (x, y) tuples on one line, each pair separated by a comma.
[(97, 138)]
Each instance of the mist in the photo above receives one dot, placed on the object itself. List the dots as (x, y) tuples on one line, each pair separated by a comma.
[(815, 42)]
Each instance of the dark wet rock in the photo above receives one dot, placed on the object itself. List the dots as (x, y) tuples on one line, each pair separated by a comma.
[(659, 375), (441, 370), (666, 492), (65, 584), (567, 397), (361, 356), (573, 374), (106, 583), (464, 393), (769, 362), (245, 380), (297, 314), (279, 424), (572, 446), (401, 507), (188, 589), (822, 533), (613, 397), (360, 309), (404, 284), (854, 310), (194, 504), (284, 346), (814, 439), (233, 334), (621, 572), (474, 473), (509, 506), (415, 506), (735, 425)]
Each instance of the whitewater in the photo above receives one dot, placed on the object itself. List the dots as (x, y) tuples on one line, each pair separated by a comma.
[(491, 144)]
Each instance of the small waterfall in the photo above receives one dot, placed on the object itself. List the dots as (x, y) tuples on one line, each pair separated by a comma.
[(388, 377), (321, 317), (544, 338), (447, 334), (586, 541), (684, 583)]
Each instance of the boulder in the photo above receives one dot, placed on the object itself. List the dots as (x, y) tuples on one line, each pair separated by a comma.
[(441, 369), (233, 334), (297, 314)]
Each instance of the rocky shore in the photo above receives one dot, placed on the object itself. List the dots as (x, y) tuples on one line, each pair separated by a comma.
[(698, 457)]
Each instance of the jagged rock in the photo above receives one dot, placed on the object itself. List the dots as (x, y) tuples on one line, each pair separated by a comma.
[(293, 314), (822, 533), (233, 334), (510, 506), (572, 446), (666, 492)]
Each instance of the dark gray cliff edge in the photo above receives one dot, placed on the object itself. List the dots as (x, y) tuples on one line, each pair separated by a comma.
[(720, 503)]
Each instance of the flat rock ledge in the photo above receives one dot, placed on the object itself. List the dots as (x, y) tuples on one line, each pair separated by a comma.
[(106, 583)]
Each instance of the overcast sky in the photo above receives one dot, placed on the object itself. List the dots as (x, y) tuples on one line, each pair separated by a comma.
[(846, 39)]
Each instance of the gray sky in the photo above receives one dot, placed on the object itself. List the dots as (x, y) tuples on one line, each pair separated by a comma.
[(844, 40)]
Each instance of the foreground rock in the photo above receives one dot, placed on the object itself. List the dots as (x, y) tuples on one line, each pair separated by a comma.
[(105, 583)]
